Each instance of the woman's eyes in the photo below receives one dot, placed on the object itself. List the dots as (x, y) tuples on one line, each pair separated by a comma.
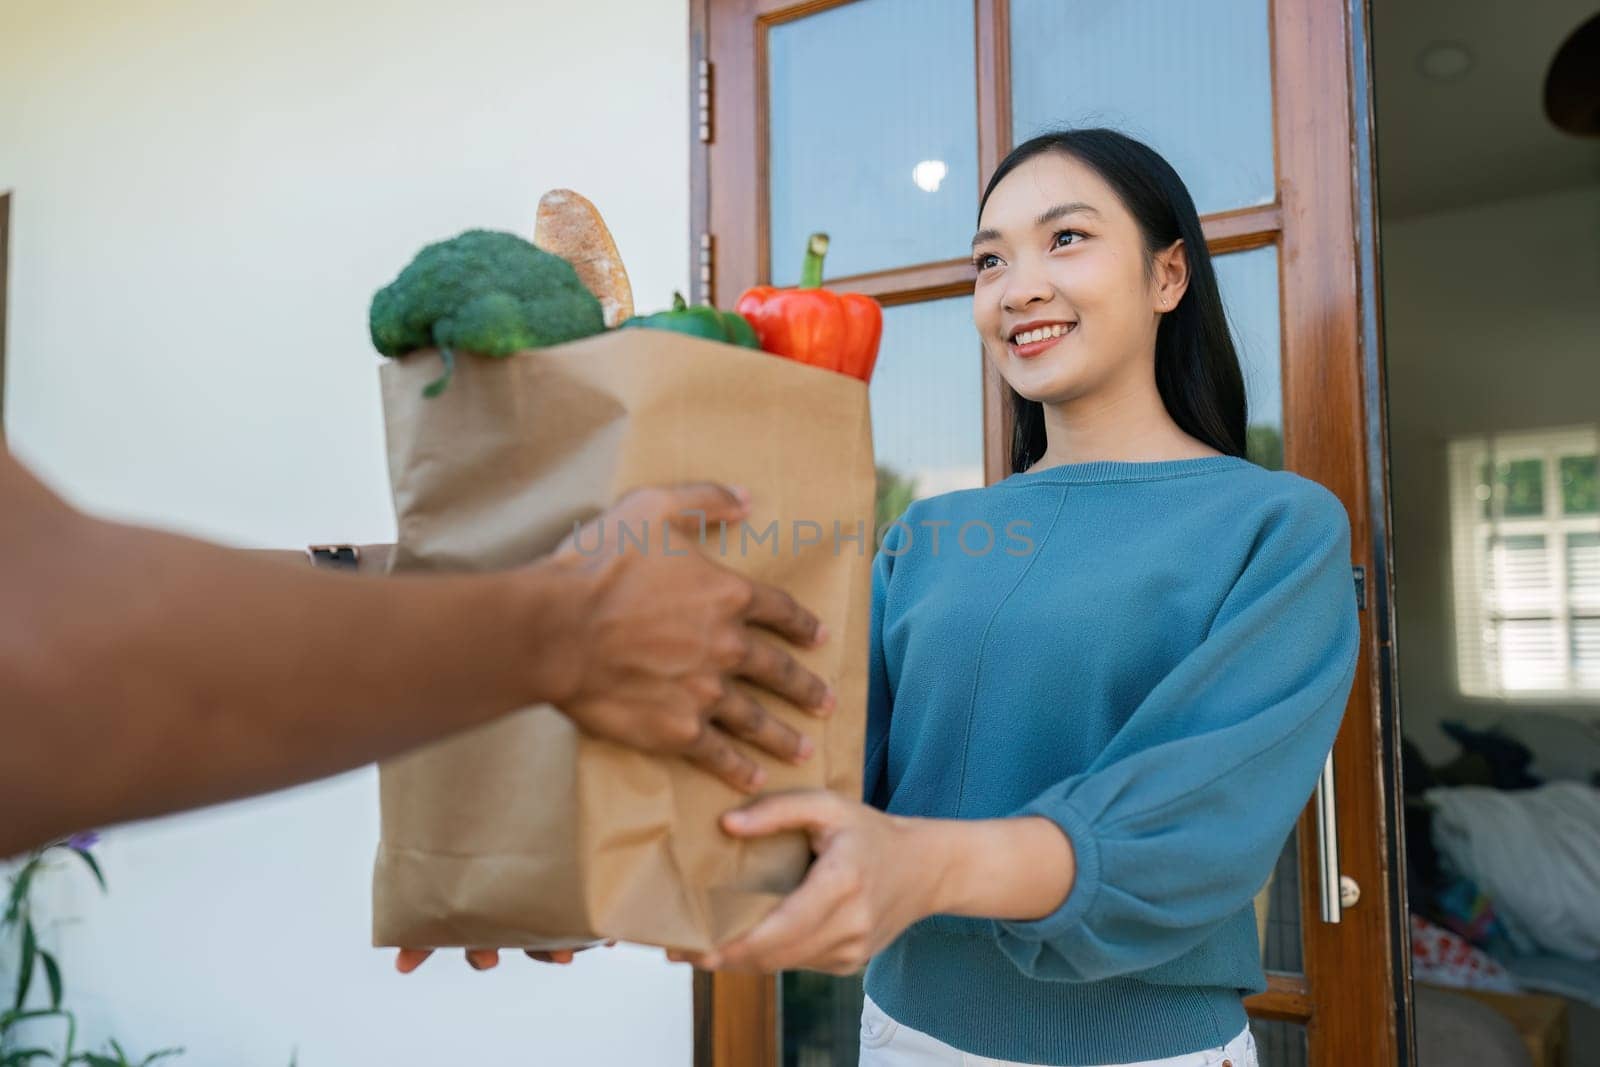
[(982, 262)]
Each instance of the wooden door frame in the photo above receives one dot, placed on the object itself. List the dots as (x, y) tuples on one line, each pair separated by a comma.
[(1316, 85), (1322, 222), (1383, 658), (5, 288)]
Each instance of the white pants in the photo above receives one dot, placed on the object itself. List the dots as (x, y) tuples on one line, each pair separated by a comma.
[(886, 1043)]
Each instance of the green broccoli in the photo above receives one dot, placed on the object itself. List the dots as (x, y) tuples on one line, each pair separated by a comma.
[(484, 292)]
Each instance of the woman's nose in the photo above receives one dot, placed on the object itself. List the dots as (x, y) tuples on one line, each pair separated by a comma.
[(1024, 287)]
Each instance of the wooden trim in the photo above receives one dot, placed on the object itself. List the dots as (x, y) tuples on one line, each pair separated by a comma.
[(992, 30), (1385, 680), (699, 152), (1286, 998), (5, 260), (705, 986), (730, 40), (906, 285), (991, 24), (997, 424), (1246, 228), (725, 1004), (1349, 965), (775, 11), (763, 157)]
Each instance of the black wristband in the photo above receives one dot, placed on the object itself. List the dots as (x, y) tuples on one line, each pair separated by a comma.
[(337, 557)]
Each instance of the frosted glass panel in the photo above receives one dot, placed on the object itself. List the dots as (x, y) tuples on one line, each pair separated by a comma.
[(1249, 284), (927, 401), (1282, 950), (873, 135), (1192, 80), (927, 430), (1279, 1043)]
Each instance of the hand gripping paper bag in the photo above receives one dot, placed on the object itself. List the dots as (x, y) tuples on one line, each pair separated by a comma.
[(527, 832)]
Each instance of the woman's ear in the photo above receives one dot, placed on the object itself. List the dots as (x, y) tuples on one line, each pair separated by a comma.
[(1171, 276)]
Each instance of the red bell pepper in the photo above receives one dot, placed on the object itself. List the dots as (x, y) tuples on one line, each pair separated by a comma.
[(835, 331)]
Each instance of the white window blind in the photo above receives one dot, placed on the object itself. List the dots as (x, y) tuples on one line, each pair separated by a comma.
[(1525, 563)]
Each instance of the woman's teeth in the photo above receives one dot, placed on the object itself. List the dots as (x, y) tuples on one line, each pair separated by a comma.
[(1042, 333)]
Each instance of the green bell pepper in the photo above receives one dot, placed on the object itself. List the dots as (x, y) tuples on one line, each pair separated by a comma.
[(729, 327)]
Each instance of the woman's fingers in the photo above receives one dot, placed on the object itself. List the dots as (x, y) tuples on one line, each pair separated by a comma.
[(795, 932), (483, 959), (801, 809)]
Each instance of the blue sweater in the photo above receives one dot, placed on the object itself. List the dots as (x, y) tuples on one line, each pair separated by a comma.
[(1153, 656)]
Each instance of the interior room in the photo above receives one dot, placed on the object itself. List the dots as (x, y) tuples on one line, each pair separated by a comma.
[(1489, 208)]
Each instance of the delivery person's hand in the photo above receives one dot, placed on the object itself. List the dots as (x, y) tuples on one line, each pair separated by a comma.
[(660, 634), (483, 959)]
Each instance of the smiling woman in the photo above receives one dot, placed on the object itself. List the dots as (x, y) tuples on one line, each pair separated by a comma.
[(1116, 262), (1040, 886)]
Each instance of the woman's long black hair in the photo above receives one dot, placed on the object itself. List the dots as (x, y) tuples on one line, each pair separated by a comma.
[(1197, 369)]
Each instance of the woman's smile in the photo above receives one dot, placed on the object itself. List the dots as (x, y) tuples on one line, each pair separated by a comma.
[(1031, 338)]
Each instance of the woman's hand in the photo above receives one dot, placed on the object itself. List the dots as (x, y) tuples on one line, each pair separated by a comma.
[(874, 875), (483, 959)]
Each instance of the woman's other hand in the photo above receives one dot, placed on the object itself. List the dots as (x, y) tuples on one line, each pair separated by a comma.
[(871, 879)]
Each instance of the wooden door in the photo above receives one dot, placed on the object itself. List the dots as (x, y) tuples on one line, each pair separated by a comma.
[(880, 121), (5, 258)]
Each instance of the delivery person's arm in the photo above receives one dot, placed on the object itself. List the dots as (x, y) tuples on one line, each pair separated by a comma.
[(142, 672)]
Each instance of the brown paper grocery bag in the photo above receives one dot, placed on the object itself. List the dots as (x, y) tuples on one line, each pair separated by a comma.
[(526, 832)]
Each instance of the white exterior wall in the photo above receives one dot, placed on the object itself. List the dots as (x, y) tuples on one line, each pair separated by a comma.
[(205, 197)]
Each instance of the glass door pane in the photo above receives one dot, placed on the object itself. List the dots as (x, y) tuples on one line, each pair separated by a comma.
[(927, 403), (927, 430), (873, 135), (821, 1019), (1279, 1044), (1249, 284), (1194, 81)]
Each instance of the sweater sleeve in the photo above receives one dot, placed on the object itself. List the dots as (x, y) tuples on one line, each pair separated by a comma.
[(880, 696), (1178, 823)]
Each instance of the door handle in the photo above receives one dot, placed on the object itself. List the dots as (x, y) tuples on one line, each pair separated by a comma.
[(1328, 845)]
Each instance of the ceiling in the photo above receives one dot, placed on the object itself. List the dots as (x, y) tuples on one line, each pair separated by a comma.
[(1482, 136)]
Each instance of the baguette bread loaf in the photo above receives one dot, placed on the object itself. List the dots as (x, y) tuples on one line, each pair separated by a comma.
[(569, 226)]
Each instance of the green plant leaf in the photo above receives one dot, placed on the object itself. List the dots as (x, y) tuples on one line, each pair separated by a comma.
[(94, 1059), (94, 866), (19, 890), (11, 1018), (25, 967), (161, 1055), (23, 1056), (52, 975)]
